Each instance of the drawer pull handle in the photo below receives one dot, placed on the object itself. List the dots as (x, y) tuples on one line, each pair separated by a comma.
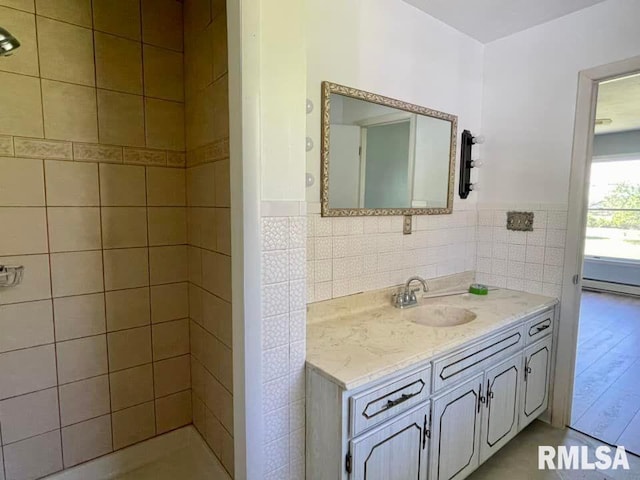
[(398, 401), (542, 327)]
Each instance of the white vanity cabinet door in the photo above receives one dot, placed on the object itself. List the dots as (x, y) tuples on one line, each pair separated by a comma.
[(396, 450), (500, 415), (535, 381), (455, 430)]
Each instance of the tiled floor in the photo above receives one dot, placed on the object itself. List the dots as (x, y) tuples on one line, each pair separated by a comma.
[(187, 464), (606, 402), (518, 460)]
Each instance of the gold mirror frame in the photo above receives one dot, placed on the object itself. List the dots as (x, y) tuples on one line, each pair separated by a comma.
[(327, 89)]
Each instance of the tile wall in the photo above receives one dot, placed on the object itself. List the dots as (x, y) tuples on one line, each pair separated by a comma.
[(284, 343), (346, 255), (529, 261), (94, 351), (209, 228)]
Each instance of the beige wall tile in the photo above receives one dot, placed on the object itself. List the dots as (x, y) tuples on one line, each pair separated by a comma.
[(124, 227), (133, 425), (29, 415), (197, 15), (126, 268), (216, 274), (223, 194), (35, 286), (80, 316), (168, 264), (65, 52), (81, 358), (71, 184), (218, 400), (41, 148), (163, 77), (216, 317), (21, 106), (129, 348), (72, 11), (172, 375), (132, 386), (170, 339), (166, 187), (28, 370), (162, 23), (118, 63), (194, 260), (23, 26), (127, 308), (22, 182), (76, 273), (219, 37), (86, 440), (223, 230), (119, 17), (122, 185), (218, 7), (24, 230), (201, 185), (164, 124), (120, 118), (199, 64), (221, 108), (74, 228), (202, 227), (169, 302), (6, 145), (85, 399), (145, 156), (34, 457), (173, 411), (26, 5), (65, 120), (97, 153), (26, 325), (167, 225), (175, 159)]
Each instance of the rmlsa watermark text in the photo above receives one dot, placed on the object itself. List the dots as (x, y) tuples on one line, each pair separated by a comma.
[(579, 458)]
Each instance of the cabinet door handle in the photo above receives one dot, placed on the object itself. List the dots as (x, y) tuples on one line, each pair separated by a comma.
[(527, 372), (489, 394), (481, 398)]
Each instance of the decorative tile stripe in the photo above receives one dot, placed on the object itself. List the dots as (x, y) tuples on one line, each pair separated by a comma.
[(92, 152), (37, 148), (211, 152), (6, 145), (176, 159), (143, 156)]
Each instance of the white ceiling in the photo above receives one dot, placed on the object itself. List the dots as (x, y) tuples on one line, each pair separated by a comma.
[(619, 101), (488, 20)]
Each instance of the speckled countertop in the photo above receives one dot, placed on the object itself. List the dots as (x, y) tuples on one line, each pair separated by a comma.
[(361, 338)]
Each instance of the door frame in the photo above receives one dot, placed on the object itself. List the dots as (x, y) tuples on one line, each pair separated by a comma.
[(588, 81)]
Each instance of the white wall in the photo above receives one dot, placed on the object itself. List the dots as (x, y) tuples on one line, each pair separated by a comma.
[(390, 48), (530, 86)]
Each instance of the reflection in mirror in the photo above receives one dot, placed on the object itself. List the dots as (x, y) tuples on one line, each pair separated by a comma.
[(391, 158)]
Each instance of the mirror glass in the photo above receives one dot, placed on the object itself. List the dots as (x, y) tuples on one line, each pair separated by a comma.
[(383, 159)]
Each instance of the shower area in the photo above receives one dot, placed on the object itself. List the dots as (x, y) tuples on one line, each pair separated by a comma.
[(115, 251)]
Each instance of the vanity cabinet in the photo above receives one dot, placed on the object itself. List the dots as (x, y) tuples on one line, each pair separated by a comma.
[(536, 381), (395, 450), (440, 419)]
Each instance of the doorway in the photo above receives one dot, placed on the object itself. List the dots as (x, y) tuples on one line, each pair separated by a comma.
[(606, 391)]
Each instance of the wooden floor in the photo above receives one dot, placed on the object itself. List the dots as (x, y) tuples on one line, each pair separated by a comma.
[(606, 401)]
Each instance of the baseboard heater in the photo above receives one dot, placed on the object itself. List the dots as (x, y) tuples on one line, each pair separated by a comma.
[(600, 286)]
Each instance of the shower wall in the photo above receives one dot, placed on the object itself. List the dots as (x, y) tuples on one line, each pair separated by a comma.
[(94, 345), (209, 231)]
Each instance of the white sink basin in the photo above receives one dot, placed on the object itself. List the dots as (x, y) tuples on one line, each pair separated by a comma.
[(442, 316)]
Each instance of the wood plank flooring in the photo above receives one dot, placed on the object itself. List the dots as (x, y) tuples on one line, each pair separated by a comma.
[(606, 398)]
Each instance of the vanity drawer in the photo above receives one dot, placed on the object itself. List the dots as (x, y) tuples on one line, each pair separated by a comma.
[(539, 326), (465, 363), (374, 406)]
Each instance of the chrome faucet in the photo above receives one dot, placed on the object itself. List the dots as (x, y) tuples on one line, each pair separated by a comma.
[(406, 296)]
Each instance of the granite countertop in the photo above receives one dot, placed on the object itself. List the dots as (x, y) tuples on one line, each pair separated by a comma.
[(362, 338)]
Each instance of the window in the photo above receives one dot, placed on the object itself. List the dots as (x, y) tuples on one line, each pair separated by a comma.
[(613, 223)]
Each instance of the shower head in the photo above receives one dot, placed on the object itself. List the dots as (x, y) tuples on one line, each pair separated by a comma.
[(8, 43)]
